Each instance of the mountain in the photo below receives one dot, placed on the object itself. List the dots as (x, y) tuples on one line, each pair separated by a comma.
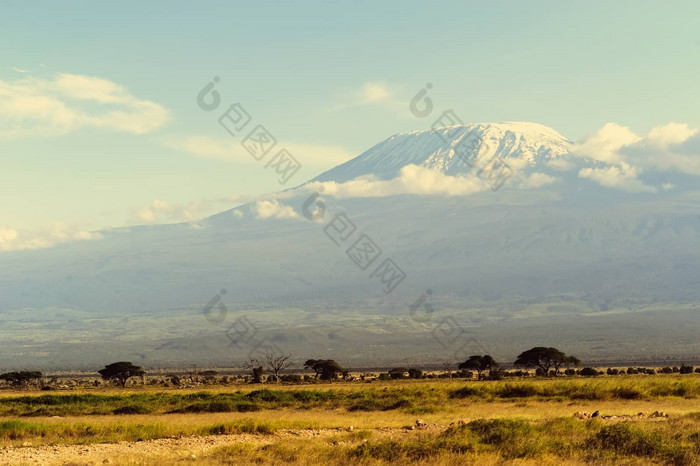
[(597, 271), (531, 143)]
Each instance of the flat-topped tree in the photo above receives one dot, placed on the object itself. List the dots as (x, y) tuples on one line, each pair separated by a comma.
[(21, 378), (327, 369), (545, 358), (479, 364), (121, 371)]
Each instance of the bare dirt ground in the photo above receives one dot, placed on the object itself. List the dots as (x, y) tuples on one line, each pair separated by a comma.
[(152, 451)]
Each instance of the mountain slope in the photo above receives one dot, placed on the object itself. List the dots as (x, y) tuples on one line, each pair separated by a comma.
[(528, 142)]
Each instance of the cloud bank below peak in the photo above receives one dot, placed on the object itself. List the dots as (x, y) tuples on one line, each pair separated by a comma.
[(57, 233)]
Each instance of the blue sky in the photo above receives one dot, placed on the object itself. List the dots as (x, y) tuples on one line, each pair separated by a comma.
[(327, 80)]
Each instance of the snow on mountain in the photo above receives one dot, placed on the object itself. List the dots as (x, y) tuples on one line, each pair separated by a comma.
[(529, 143)]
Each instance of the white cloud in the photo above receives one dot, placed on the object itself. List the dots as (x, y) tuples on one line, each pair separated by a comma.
[(273, 209), (164, 212), (13, 240), (160, 211), (19, 70), (7, 236), (672, 147), (672, 133), (604, 145), (412, 180), (68, 102), (625, 155), (621, 176), (231, 149), (667, 147)]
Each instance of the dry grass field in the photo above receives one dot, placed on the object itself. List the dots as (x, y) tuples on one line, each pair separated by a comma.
[(642, 420)]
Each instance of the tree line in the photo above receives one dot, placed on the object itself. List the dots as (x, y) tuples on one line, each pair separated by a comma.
[(547, 362)]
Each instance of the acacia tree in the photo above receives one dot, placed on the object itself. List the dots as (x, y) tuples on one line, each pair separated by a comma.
[(479, 364), (21, 378), (327, 369), (121, 372), (545, 358), (276, 363)]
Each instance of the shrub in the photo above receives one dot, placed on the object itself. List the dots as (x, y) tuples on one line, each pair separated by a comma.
[(247, 407), (398, 373), (627, 393), (627, 440), (292, 378), (269, 395), (133, 409), (210, 407), (686, 369), (512, 437), (464, 392), (496, 374), (518, 390), (588, 372), (312, 395)]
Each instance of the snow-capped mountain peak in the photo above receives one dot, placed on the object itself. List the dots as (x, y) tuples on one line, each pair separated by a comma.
[(531, 143)]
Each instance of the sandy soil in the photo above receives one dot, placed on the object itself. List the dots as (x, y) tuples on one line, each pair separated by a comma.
[(179, 448)]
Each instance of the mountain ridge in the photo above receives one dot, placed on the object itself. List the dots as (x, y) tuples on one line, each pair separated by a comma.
[(530, 143)]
